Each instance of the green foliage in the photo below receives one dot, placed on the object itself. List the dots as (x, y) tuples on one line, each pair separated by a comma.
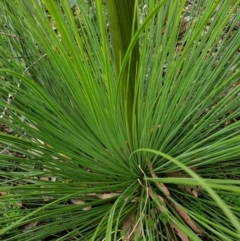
[(231, 198), (10, 208), (164, 167), (164, 218)]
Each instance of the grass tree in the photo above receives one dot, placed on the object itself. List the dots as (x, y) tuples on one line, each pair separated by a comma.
[(120, 120)]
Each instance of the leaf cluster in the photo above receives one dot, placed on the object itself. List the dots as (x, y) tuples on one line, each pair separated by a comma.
[(71, 160)]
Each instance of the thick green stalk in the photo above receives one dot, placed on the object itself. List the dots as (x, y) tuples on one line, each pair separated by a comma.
[(123, 24)]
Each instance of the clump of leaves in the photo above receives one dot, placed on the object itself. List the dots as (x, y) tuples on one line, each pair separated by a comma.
[(10, 208), (133, 137)]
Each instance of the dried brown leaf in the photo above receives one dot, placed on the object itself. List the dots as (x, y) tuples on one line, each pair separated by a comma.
[(153, 196), (78, 202), (190, 190), (162, 187), (3, 193), (188, 219), (180, 211), (131, 228), (30, 226), (107, 195), (179, 232)]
